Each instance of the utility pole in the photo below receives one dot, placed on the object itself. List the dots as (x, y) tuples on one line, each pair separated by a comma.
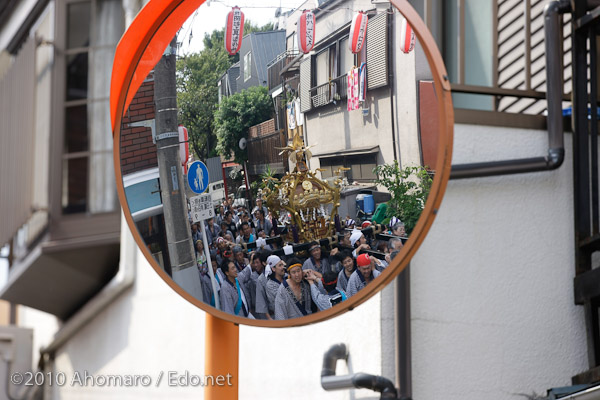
[(179, 236)]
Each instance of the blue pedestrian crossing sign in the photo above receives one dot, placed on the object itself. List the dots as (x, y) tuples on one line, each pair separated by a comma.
[(198, 177)]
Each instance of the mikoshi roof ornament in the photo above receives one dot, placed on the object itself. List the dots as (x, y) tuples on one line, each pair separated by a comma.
[(306, 31), (407, 37), (358, 32), (234, 30)]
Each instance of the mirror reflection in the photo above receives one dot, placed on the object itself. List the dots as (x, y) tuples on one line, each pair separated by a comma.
[(275, 167)]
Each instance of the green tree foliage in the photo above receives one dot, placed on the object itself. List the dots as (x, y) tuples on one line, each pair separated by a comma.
[(197, 97), (409, 188), (197, 91), (236, 114)]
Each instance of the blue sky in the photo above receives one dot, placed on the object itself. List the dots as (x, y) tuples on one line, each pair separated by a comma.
[(211, 15)]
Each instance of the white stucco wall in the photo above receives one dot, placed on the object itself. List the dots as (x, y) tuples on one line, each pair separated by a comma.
[(492, 304), (151, 329), (334, 128), (492, 285)]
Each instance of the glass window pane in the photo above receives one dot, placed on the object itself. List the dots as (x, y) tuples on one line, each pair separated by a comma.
[(367, 170), (143, 195), (333, 63), (102, 191), (75, 180), (78, 25), (107, 30), (321, 67), (76, 129), (355, 171), (346, 57), (77, 76)]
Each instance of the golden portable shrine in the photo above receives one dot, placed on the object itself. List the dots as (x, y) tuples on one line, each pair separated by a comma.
[(311, 202)]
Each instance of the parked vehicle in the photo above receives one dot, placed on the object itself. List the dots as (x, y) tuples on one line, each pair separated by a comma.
[(217, 191)]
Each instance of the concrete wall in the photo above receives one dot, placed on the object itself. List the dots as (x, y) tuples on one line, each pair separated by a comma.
[(333, 128), (492, 304), (492, 285)]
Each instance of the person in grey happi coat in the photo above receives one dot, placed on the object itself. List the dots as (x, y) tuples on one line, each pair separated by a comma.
[(233, 298), (348, 267), (293, 298), (363, 275), (275, 274)]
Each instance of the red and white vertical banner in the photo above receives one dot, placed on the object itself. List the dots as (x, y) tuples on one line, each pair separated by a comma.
[(234, 30), (306, 31), (358, 32), (407, 37), (184, 147)]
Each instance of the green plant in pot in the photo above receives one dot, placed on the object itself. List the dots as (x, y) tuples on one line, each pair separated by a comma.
[(409, 188)]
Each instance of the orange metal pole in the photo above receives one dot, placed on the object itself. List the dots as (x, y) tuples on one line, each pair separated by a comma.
[(222, 347)]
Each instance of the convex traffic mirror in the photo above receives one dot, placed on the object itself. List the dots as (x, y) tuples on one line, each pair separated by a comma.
[(279, 175)]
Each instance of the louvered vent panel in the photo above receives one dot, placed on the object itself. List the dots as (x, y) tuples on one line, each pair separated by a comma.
[(304, 87), (377, 55)]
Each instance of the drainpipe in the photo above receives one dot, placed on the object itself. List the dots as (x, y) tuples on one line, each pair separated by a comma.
[(329, 381), (556, 150), (118, 285)]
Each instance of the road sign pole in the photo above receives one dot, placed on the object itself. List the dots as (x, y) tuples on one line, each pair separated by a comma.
[(179, 239), (211, 273)]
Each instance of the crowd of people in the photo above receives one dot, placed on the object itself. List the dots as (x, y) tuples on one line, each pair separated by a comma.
[(263, 285)]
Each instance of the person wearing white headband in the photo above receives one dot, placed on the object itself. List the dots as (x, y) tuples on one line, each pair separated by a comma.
[(293, 297), (275, 274)]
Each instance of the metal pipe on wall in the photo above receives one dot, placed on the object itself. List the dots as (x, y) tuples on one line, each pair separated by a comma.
[(556, 151)]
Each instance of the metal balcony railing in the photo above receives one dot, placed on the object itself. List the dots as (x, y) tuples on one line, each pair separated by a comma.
[(275, 67), (334, 90)]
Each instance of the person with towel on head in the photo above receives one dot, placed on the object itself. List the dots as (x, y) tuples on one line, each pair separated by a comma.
[(293, 298), (363, 275), (275, 274), (359, 242), (233, 298)]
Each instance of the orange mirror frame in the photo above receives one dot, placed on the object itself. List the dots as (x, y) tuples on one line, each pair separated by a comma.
[(140, 49)]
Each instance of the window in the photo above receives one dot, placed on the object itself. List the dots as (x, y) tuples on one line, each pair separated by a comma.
[(325, 73), (247, 66), (292, 43), (346, 57), (361, 166), (499, 46), (90, 36)]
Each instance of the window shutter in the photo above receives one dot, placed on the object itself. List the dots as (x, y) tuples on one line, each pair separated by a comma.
[(377, 54), (305, 70)]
